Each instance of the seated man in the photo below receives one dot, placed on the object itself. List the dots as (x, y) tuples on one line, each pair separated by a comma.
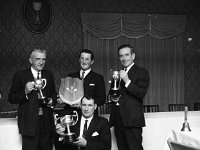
[(92, 131)]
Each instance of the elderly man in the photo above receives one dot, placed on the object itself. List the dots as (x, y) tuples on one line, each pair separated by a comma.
[(35, 120)]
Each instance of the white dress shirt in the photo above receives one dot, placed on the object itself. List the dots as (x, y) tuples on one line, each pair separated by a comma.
[(35, 73), (86, 72), (127, 69), (82, 124)]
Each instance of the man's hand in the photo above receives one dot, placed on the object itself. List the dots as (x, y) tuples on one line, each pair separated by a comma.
[(77, 105), (50, 103), (60, 129), (29, 87), (81, 142), (59, 100), (124, 76)]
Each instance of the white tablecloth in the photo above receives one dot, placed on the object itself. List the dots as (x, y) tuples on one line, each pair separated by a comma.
[(158, 129), (10, 138)]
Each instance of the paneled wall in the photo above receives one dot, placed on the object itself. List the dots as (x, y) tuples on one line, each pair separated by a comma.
[(64, 37)]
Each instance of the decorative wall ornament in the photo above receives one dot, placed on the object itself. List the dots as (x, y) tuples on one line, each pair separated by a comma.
[(37, 15)]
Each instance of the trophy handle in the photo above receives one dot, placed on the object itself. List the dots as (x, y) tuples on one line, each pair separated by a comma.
[(55, 118), (75, 116), (34, 85), (45, 82)]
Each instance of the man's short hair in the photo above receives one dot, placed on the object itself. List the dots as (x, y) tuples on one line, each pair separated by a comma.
[(88, 52), (88, 98), (126, 46), (37, 50)]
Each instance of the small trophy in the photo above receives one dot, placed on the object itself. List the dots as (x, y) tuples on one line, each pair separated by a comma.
[(186, 126), (40, 84), (114, 92), (37, 7), (67, 121)]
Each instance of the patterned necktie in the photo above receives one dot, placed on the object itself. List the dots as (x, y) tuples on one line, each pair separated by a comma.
[(82, 76), (85, 128)]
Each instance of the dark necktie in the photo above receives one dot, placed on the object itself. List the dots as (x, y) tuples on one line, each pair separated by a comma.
[(82, 76), (125, 69), (85, 128), (38, 75)]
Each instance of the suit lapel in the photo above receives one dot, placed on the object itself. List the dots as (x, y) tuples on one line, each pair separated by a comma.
[(77, 75), (29, 75), (92, 126), (77, 127), (88, 77), (132, 70)]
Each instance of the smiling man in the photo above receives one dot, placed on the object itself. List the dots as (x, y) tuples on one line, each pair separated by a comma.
[(35, 121), (127, 115), (93, 86)]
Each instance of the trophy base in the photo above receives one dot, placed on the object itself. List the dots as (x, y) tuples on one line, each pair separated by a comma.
[(69, 138), (115, 94), (43, 101)]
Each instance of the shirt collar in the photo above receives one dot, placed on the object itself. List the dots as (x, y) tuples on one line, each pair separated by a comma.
[(129, 67), (86, 72), (34, 72), (89, 120)]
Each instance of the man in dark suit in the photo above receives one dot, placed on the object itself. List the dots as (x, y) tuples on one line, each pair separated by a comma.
[(92, 131), (93, 85), (127, 115), (35, 118)]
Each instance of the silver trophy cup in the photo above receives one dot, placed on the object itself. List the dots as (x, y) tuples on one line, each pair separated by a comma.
[(114, 92), (67, 121), (40, 84)]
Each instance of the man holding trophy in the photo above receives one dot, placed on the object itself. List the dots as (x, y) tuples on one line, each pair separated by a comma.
[(34, 90), (92, 131), (127, 115), (93, 86)]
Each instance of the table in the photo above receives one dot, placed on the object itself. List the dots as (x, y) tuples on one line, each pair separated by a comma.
[(10, 138), (188, 138), (159, 126), (158, 129)]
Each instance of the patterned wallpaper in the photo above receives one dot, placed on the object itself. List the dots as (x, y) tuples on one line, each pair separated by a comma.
[(64, 37)]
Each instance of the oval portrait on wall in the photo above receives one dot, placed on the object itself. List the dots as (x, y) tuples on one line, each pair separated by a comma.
[(37, 15)]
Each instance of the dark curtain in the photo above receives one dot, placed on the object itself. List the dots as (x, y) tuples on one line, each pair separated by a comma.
[(158, 41)]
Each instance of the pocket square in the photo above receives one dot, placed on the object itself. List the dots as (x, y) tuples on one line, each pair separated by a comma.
[(91, 84), (95, 134)]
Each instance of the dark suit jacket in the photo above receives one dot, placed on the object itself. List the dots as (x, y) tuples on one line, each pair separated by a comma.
[(131, 100), (93, 85), (28, 108), (102, 140)]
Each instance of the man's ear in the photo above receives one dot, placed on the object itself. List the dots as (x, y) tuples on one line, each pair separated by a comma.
[(92, 62), (133, 56), (95, 106), (30, 60)]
